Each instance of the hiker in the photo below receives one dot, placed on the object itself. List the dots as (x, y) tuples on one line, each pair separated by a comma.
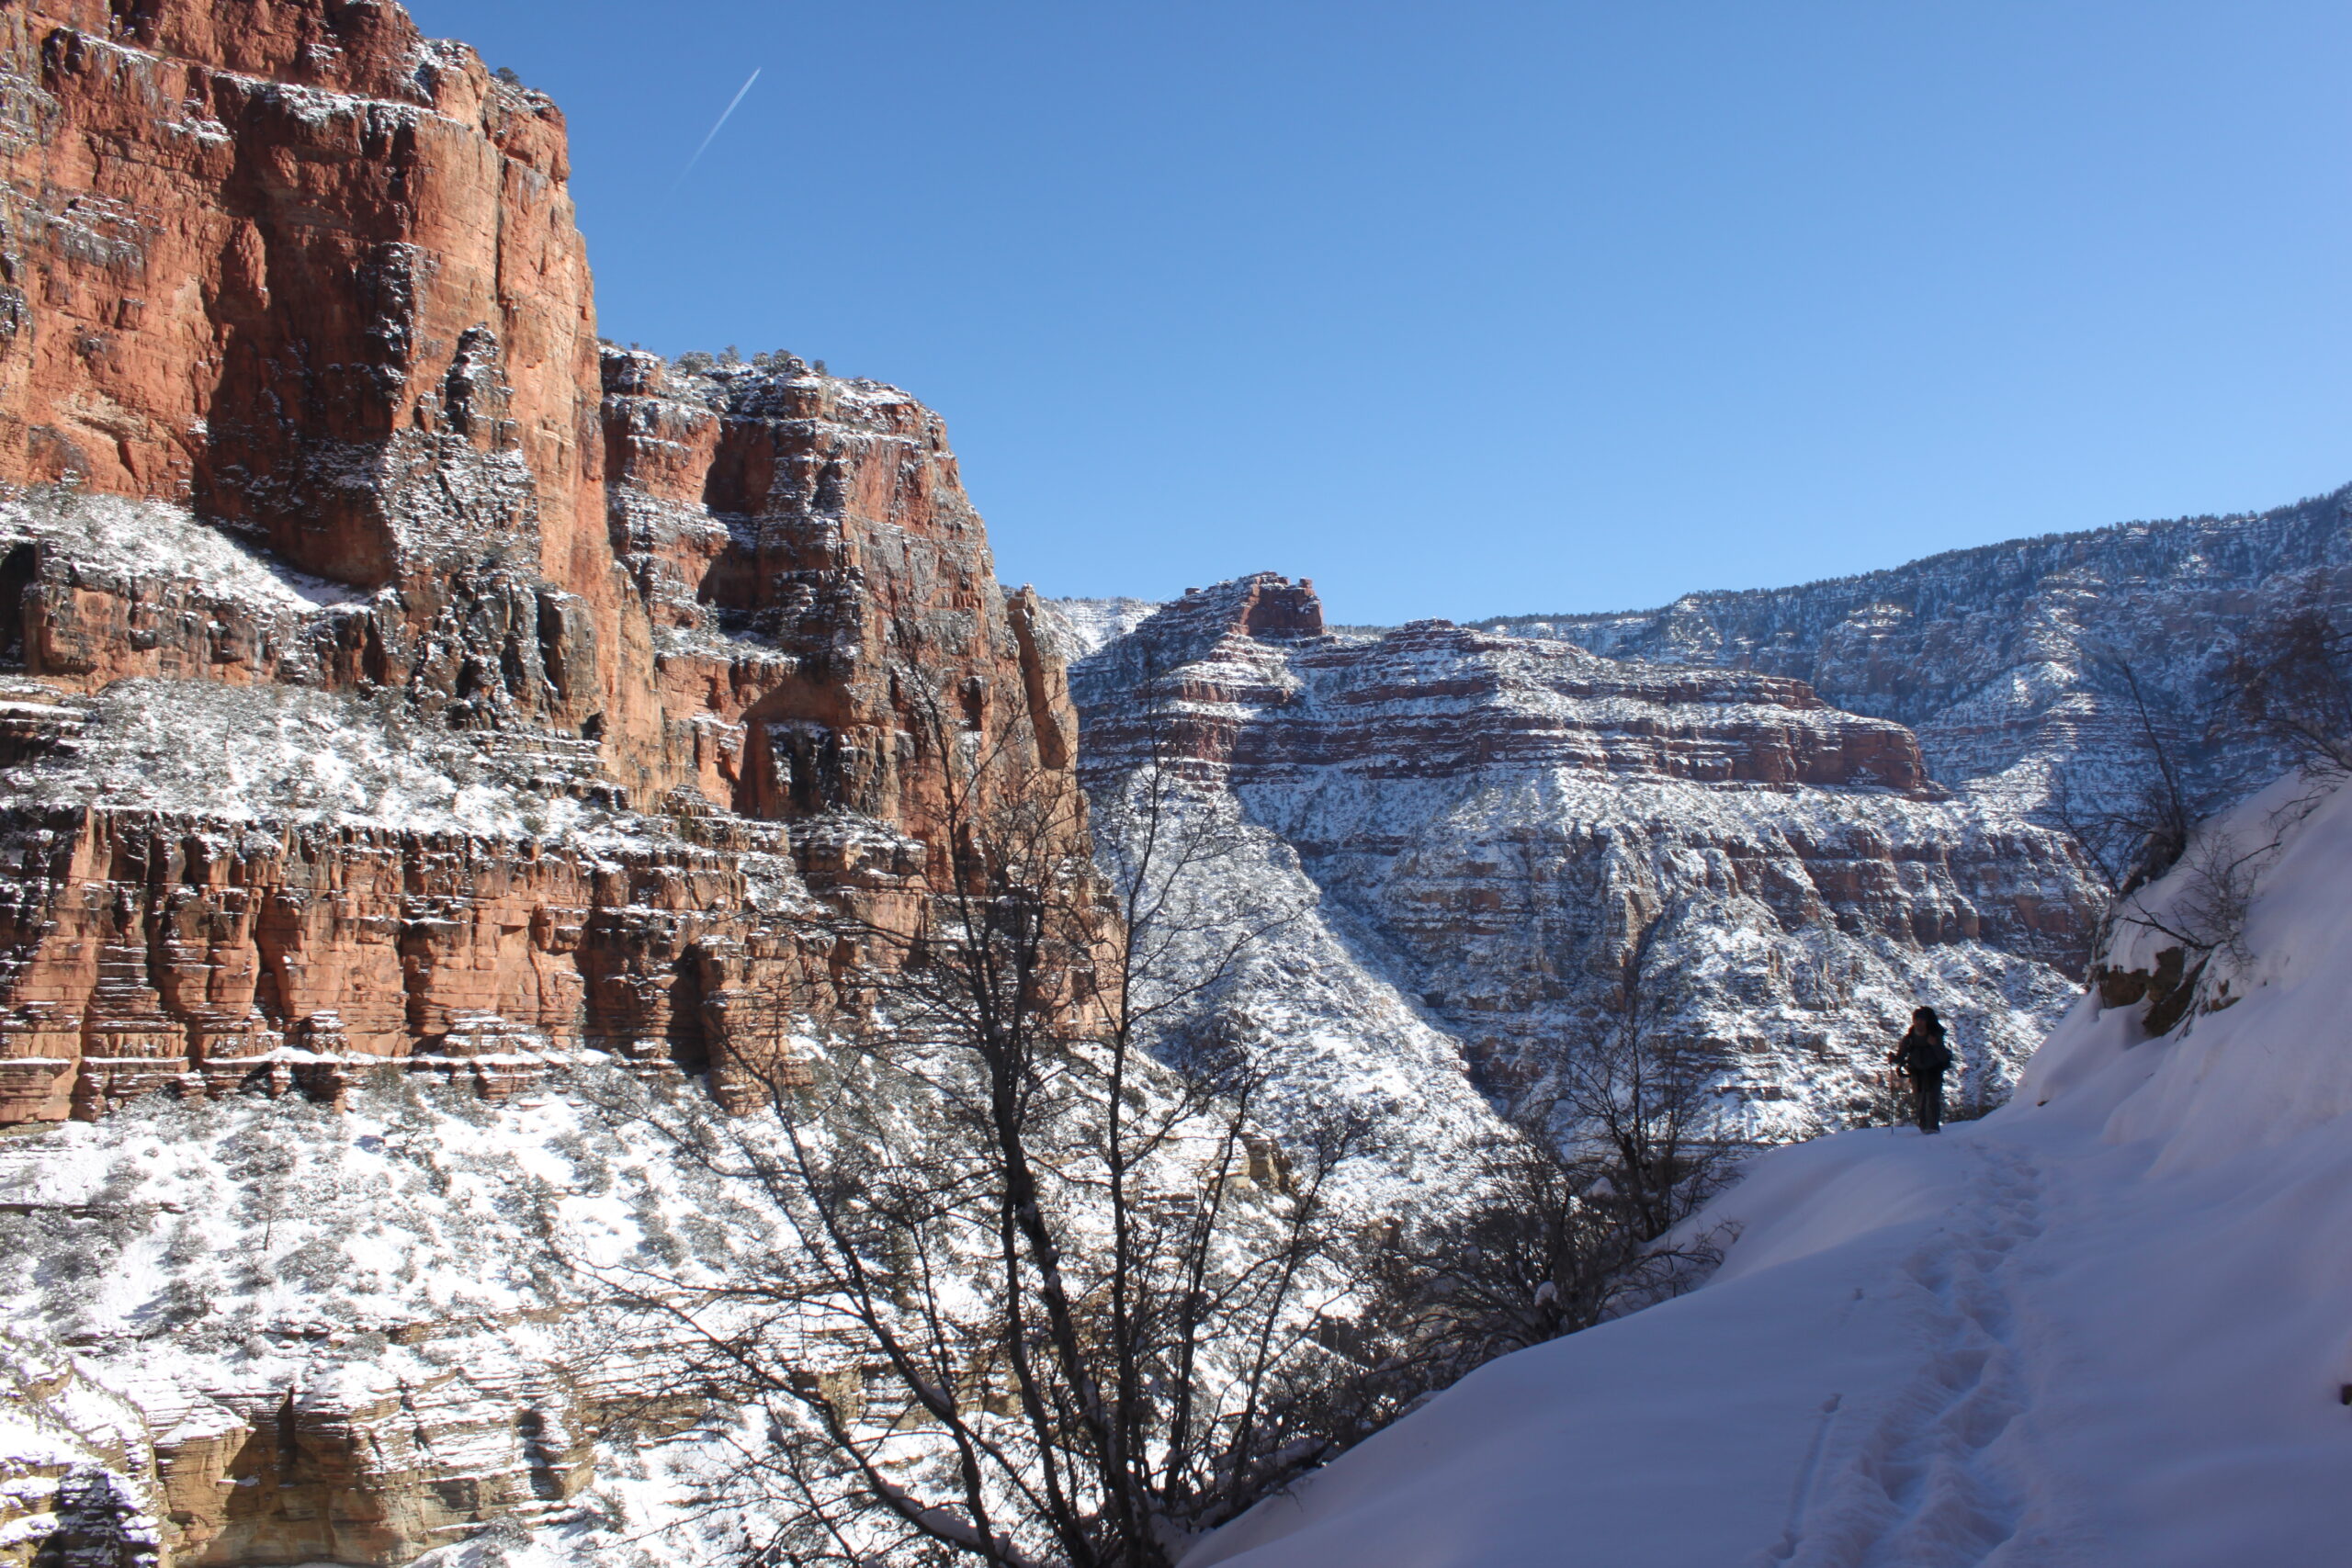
[(1925, 1056)]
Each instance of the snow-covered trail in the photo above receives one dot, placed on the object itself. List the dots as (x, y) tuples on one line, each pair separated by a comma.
[(1936, 1479), (2109, 1326), (1832, 1401)]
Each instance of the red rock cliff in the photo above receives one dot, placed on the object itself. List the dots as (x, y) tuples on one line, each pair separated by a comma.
[(389, 670), (314, 281), (289, 259)]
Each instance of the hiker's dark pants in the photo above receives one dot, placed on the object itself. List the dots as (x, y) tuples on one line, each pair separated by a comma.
[(1930, 1091)]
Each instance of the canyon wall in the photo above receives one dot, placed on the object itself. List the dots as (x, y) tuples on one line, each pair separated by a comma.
[(2028, 663), (1498, 824), (399, 684), (296, 265), (307, 289)]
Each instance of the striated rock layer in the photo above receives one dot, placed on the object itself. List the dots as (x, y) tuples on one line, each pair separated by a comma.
[(152, 952), (305, 288), (394, 673), (2011, 660), (1505, 820), (298, 266)]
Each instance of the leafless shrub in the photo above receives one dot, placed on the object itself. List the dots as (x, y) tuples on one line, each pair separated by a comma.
[(1583, 1218), (1879, 1097), (1036, 1298), (1638, 1102), (2290, 677), (2214, 892), (2131, 835), (1543, 1245)]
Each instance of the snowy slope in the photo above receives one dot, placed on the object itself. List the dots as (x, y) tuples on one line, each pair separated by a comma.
[(2105, 1326), (1083, 626)]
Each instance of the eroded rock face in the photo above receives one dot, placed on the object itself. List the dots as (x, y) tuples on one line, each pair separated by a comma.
[(153, 953), (345, 1349), (2009, 660), (298, 263), (1431, 699), (557, 705), (800, 541), (1504, 818), (317, 279)]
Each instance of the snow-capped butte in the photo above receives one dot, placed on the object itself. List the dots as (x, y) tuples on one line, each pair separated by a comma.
[(2103, 1325)]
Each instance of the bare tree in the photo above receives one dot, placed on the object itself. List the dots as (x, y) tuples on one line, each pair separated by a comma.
[(1640, 1103), (2130, 835), (2212, 890), (2290, 677), (1034, 1296), (1538, 1248), (2287, 680), (1579, 1217)]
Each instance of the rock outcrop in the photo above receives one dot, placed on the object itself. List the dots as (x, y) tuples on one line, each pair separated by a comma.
[(296, 264), (394, 676), (1503, 820), (799, 543), (262, 1331), (304, 289), (158, 952)]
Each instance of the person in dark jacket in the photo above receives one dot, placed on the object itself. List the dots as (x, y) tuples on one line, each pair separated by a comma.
[(1925, 1057)]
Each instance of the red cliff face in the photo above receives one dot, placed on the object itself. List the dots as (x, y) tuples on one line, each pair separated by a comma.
[(391, 672), (797, 539), (313, 282), (153, 953), (299, 269), (290, 260)]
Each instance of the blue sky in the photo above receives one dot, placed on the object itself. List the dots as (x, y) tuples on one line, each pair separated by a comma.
[(1466, 309)]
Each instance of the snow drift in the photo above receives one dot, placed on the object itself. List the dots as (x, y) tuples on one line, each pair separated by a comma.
[(2105, 1324)]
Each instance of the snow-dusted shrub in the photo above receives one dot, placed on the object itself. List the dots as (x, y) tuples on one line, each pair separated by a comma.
[(1000, 1281), (2291, 673)]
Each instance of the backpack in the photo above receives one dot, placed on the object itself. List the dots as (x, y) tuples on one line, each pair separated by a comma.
[(1925, 1051)]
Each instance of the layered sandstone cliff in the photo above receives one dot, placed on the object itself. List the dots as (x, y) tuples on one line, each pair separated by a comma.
[(305, 289), (1496, 823), (396, 679)]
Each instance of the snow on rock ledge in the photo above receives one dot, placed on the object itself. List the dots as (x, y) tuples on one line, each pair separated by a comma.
[(1491, 821)]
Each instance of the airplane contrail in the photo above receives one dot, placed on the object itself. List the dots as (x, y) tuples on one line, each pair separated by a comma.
[(715, 129)]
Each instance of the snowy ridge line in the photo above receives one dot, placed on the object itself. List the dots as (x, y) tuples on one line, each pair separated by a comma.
[(2146, 530), (2008, 659)]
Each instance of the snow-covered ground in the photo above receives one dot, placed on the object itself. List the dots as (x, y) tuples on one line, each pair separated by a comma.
[(2105, 1326), (1082, 626), (112, 538)]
